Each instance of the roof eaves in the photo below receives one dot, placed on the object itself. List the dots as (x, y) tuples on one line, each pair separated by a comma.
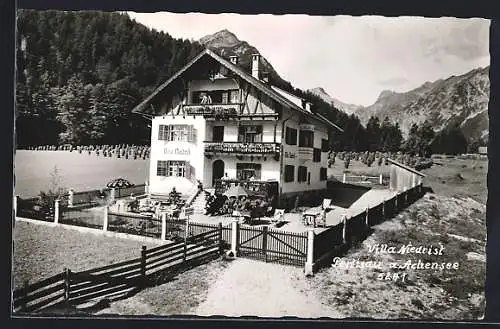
[(141, 105)]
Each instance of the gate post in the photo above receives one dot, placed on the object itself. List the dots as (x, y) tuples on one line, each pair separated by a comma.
[(105, 222), (380, 180), (235, 234), (343, 178), (56, 211), (309, 266), (264, 242), (164, 226), (221, 242)]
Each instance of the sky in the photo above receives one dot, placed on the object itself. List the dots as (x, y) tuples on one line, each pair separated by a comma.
[(353, 58)]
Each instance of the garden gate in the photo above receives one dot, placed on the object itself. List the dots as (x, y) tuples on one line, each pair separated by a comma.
[(272, 246)]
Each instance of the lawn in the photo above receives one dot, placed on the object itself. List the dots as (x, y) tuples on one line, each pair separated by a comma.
[(448, 176), (42, 251), (78, 171)]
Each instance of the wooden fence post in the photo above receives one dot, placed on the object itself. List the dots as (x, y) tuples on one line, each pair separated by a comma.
[(14, 205), (367, 220), (383, 209), (344, 229), (235, 230), (308, 269), (105, 219), (264, 242), (67, 285), (112, 195), (406, 198), (56, 211), (70, 197), (24, 304), (143, 265), (221, 242), (164, 226), (380, 180), (396, 204), (344, 178)]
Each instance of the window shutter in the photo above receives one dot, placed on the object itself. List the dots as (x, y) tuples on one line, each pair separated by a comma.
[(188, 170)]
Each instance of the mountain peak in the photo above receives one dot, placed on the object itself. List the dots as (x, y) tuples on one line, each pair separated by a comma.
[(386, 93), (222, 38)]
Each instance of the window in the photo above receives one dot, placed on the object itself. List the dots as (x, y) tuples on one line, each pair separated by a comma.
[(306, 138), (234, 96), (245, 171), (161, 168), (291, 136), (316, 155), (218, 133), (177, 133), (322, 174), (177, 168), (250, 134), (215, 97), (289, 173), (324, 145), (302, 174)]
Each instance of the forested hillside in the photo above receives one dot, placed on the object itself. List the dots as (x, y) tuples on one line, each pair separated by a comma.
[(79, 74)]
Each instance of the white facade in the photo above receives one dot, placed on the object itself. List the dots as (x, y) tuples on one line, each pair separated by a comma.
[(263, 134)]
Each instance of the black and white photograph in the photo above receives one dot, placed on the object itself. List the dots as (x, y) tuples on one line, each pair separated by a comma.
[(191, 164)]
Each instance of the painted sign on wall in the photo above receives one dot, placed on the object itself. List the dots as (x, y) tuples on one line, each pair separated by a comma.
[(177, 151)]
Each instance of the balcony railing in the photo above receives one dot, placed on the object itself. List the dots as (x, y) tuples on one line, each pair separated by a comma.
[(306, 153), (223, 111), (213, 110), (241, 148)]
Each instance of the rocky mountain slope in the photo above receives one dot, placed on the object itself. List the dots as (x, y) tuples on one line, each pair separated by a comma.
[(347, 108), (459, 100), (225, 43)]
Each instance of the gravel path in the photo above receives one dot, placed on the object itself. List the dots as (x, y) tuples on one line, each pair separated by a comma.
[(252, 288)]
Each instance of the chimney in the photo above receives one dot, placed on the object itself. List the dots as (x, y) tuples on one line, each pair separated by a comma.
[(255, 65), (233, 59)]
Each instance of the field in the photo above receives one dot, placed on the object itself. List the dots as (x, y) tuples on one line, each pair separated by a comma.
[(449, 176), (78, 171), (42, 251)]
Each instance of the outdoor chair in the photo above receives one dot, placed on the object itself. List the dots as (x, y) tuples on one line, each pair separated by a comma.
[(327, 204), (279, 215)]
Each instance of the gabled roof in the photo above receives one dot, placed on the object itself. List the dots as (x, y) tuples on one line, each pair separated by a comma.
[(410, 169), (263, 87)]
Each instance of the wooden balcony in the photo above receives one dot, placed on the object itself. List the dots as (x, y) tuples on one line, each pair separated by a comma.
[(238, 148), (231, 111)]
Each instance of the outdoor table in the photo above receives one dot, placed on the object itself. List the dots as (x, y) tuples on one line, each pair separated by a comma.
[(309, 216)]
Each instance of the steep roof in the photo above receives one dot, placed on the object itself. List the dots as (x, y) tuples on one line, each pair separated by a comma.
[(263, 87), (410, 169)]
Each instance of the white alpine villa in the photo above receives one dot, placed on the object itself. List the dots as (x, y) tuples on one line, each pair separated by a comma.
[(213, 122)]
